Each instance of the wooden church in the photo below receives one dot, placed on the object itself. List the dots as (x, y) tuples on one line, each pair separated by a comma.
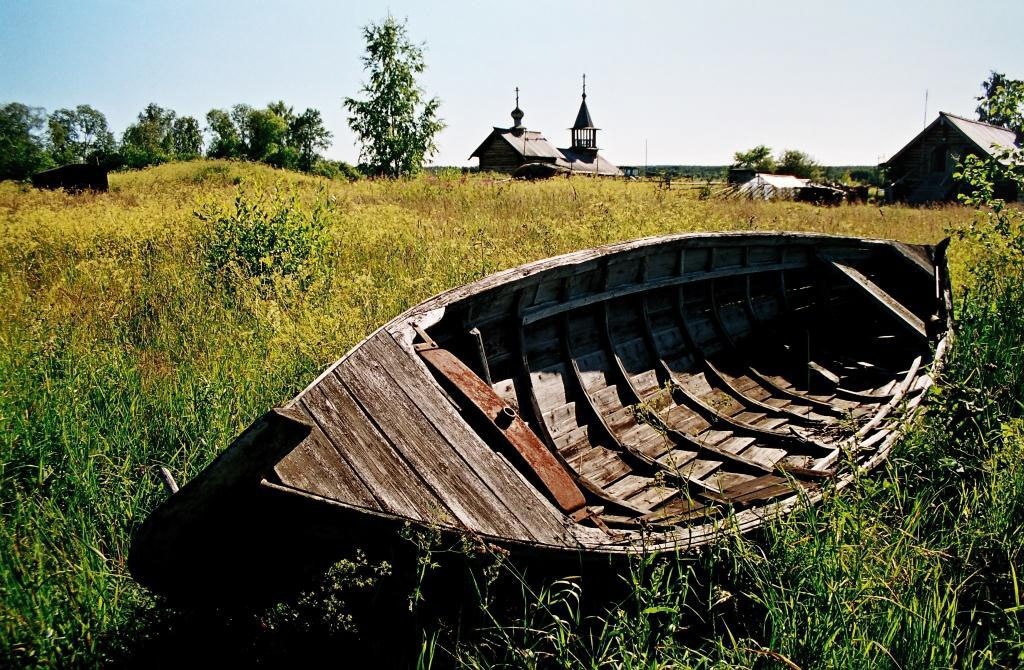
[(515, 149)]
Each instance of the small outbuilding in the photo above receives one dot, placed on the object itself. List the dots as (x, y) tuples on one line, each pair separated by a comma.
[(74, 177), (510, 149), (922, 171), (762, 186)]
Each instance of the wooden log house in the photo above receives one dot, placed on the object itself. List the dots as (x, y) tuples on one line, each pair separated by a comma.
[(922, 171)]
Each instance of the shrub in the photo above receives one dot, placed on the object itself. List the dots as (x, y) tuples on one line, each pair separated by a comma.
[(267, 232), (335, 170)]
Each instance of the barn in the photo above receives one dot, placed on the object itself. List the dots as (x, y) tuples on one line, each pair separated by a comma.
[(922, 171), (509, 149)]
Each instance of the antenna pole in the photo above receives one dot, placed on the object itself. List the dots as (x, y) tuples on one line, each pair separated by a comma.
[(924, 124)]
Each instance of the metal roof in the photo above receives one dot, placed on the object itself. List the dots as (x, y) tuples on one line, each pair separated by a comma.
[(768, 186), (587, 162), (780, 180), (531, 144), (527, 143), (985, 135)]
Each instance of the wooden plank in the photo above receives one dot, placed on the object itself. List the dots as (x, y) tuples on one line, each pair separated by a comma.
[(653, 496), (602, 466), (724, 479), (493, 470), (693, 385), (917, 255), (768, 493), (398, 487), (423, 447), (755, 484), (903, 315), (315, 466), (538, 313), (794, 245), (628, 486), (508, 424)]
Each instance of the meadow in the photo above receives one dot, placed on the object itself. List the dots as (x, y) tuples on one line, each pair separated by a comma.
[(132, 336)]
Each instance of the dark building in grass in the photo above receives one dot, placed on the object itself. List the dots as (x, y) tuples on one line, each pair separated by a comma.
[(512, 149), (73, 178), (922, 171)]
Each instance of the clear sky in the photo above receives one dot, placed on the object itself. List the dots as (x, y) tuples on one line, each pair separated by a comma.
[(694, 81)]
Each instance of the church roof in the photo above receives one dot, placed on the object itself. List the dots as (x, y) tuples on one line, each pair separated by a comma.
[(583, 119), (527, 143), (587, 162)]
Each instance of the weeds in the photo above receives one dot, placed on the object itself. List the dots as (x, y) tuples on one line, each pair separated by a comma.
[(267, 233), (117, 354)]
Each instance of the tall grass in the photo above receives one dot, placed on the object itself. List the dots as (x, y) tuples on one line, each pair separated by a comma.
[(121, 350)]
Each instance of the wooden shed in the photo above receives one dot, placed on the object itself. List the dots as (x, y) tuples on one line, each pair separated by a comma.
[(922, 171), (73, 178)]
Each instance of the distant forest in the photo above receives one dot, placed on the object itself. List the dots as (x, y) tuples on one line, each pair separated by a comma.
[(32, 139), (844, 174), (867, 175)]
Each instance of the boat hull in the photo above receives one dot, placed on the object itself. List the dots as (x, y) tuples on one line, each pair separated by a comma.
[(630, 398)]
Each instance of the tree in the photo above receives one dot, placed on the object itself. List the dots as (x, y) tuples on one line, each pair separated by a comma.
[(798, 164), (1002, 102), (307, 135), (267, 135), (188, 139), (61, 137), (225, 141), (274, 135), (21, 143), (282, 110), (240, 117), (759, 159), (395, 124), (80, 135), (150, 139)]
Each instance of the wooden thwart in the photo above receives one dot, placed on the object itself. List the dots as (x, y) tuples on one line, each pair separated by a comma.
[(903, 315), (517, 434)]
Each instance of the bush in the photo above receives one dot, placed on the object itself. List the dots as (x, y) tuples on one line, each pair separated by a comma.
[(336, 170), (267, 232)]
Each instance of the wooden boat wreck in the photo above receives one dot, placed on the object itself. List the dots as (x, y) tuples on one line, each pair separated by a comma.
[(634, 397)]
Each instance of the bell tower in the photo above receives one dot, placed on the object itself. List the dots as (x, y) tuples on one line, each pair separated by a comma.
[(584, 134)]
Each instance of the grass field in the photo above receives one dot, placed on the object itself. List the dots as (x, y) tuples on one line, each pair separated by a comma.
[(126, 342)]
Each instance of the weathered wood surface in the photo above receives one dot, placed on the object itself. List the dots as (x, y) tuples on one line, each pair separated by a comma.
[(658, 383), (506, 421), (592, 356)]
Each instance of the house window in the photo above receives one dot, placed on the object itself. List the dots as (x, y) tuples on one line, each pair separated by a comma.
[(938, 163)]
